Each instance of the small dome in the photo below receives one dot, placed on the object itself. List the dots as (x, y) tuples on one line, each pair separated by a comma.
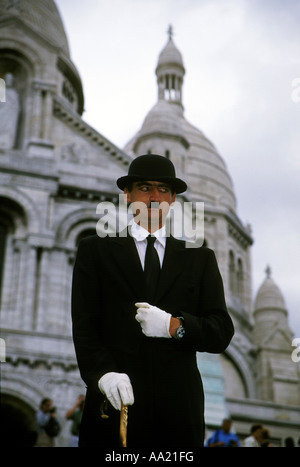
[(164, 118), (42, 16), (269, 296), (170, 55)]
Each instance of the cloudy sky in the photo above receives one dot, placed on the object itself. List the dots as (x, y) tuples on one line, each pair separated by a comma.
[(241, 88)]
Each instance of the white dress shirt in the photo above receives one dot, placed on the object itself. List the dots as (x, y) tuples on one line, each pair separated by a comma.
[(140, 235)]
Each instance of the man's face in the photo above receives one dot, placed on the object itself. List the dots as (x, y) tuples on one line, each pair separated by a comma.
[(226, 426), (258, 434), (143, 195), (47, 406)]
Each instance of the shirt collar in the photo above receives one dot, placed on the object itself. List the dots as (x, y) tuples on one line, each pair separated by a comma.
[(140, 234)]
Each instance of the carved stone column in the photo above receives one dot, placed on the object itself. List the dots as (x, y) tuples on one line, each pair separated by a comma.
[(40, 120)]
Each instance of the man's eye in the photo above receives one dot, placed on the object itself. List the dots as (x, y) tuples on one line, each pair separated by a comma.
[(161, 189)]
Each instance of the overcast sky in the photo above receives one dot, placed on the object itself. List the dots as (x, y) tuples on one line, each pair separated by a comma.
[(241, 88)]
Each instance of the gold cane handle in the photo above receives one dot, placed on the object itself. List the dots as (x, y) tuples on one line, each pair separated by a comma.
[(123, 425)]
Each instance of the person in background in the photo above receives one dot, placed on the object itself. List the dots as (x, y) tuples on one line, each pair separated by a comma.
[(255, 438), (265, 439), (47, 425), (289, 442), (224, 437), (75, 414)]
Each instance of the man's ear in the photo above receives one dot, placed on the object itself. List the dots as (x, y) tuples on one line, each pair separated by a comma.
[(173, 198)]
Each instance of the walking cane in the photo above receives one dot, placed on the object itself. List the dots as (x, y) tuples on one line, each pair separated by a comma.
[(123, 425)]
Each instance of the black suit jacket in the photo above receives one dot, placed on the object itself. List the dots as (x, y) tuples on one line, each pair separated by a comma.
[(169, 403)]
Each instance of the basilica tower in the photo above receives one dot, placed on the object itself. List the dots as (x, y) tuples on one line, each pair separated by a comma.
[(277, 375)]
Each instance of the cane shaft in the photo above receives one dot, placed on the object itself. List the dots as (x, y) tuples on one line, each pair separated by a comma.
[(123, 425)]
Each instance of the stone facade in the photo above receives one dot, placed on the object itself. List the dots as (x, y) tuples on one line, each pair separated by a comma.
[(54, 170)]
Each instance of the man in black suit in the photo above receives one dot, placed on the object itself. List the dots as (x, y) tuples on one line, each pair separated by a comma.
[(136, 335)]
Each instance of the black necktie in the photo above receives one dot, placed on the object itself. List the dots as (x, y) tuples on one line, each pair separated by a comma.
[(152, 269)]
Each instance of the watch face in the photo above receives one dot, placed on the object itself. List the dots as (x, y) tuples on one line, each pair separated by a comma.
[(180, 332)]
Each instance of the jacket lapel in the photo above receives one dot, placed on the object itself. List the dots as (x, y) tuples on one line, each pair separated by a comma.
[(128, 263), (173, 265)]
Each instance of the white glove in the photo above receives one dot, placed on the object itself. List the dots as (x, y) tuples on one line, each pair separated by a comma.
[(117, 388), (154, 321)]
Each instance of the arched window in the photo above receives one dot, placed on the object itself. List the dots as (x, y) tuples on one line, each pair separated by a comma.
[(19, 419), (12, 222), (15, 70), (240, 278), (232, 277)]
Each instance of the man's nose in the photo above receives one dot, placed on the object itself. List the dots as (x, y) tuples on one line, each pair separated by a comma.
[(154, 194)]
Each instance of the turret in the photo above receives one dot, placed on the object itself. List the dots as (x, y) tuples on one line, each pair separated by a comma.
[(276, 373), (170, 72)]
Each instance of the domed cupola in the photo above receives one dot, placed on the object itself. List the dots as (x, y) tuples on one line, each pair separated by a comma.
[(39, 74), (277, 376), (170, 72), (269, 296), (269, 310), (41, 16), (46, 43)]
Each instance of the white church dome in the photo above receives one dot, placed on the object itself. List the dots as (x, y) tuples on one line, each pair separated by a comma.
[(269, 296), (42, 16)]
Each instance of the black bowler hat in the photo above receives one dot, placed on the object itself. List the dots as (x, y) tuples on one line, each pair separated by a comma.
[(152, 167)]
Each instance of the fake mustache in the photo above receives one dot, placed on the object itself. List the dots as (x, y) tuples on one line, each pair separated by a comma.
[(154, 205)]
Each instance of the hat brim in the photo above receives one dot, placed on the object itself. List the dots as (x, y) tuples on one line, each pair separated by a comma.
[(178, 185)]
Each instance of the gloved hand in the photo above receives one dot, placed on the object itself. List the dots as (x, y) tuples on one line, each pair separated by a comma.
[(154, 321), (117, 388)]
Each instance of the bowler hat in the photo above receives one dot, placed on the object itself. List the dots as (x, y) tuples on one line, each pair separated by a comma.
[(152, 167)]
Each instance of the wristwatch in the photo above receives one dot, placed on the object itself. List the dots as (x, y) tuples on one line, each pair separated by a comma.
[(180, 331)]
